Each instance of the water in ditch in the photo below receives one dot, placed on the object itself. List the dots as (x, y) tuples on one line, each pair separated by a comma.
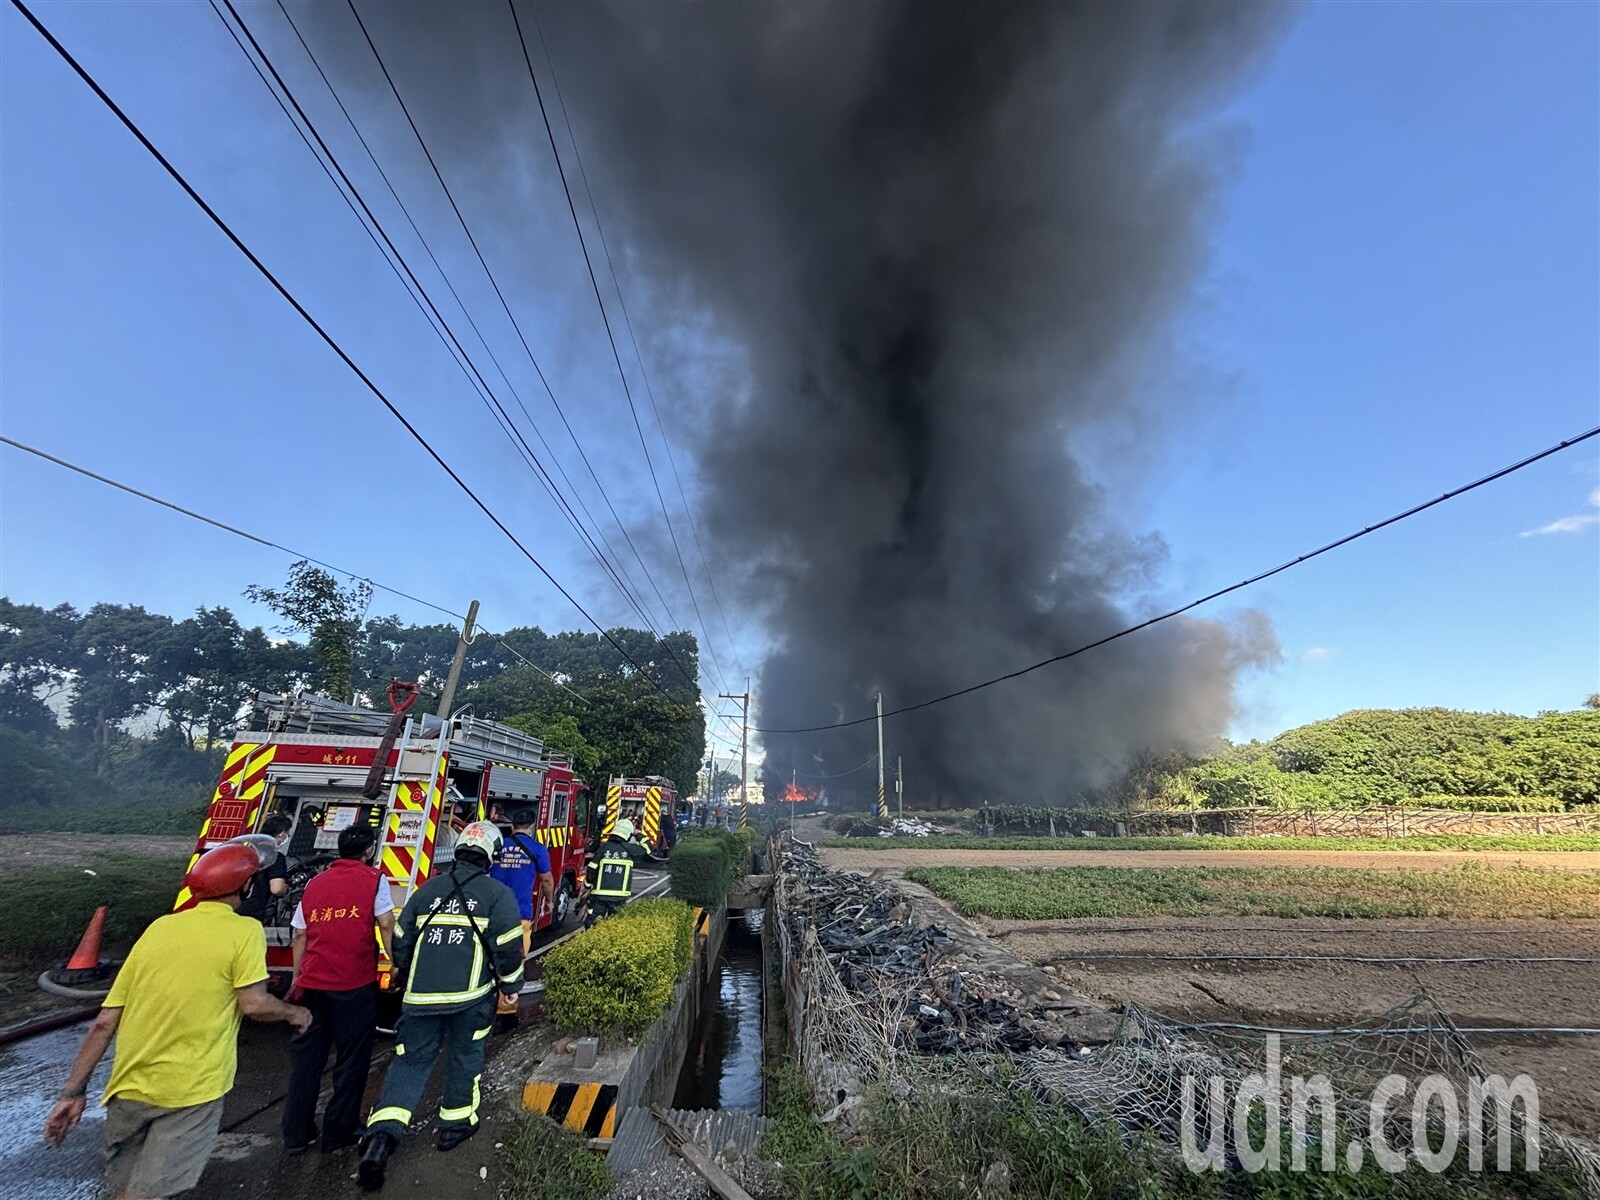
[(722, 1068)]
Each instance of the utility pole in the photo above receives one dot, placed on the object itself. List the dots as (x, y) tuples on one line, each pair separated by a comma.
[(794, 796), (744, 750), (447, 697), (883, 807), (900, 785)]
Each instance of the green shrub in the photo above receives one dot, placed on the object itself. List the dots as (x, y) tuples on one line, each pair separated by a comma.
[(620, 974), (701, 868), (1492, 804), (43, 911), (679, 914)]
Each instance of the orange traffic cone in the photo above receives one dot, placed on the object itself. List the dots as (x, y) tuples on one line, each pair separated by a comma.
[(87, 956)]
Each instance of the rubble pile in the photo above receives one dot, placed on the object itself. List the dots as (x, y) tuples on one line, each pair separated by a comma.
[(911, 827), (910, 972)]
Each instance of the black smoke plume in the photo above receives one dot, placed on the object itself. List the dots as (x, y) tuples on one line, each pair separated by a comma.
[(938, 234), (894, 258)]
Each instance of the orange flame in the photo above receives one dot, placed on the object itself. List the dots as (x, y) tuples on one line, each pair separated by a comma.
[(797, 795)]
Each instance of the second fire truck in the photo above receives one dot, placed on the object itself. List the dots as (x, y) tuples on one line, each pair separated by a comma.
[(651, 803)]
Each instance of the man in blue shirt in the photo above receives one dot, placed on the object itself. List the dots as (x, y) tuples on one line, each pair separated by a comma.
[(524, 867)]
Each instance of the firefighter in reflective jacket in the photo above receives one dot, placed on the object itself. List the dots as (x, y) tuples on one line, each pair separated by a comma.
[(458, 941), (613, 873)]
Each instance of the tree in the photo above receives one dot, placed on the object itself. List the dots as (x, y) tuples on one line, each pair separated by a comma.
[(38, 658), (219, 666), (561, 733), (1593, 702), (313, 602), (419, 654), (121, 670)]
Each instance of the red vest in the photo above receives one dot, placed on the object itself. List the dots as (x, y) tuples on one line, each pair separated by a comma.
[(341, 943)]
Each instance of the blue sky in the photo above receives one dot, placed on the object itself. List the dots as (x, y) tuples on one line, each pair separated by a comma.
[(1403, 294)]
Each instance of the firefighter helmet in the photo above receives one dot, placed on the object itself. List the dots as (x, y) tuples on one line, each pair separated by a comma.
[(623, 830), (483, 836), (222, 871), (264, 845)]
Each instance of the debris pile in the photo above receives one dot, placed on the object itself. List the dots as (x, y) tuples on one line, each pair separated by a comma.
[(910, 974), (910, 827)]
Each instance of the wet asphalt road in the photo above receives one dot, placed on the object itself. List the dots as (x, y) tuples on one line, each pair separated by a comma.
[(32, 1071)]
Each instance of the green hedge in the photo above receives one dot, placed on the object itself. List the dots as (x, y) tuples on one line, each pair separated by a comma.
[(705, 863), (619, 975), (46, 909)]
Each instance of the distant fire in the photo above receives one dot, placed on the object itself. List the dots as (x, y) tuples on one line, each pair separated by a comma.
[(796, 795)]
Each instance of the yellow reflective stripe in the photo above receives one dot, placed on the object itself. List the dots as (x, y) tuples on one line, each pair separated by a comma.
[(514, 976), (403, 1115), (470, 1112), (399, 1050), (446, 997), (510, 935), (482, 1033)]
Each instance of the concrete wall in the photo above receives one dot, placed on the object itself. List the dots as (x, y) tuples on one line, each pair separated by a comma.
[(628, 1074)]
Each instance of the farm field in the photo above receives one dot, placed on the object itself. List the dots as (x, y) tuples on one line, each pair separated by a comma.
[(852, 858), (1498, 949), (1520, 842)]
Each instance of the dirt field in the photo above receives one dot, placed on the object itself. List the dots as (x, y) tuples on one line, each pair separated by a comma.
[(20, 851), (1325, 994), (840, 859)]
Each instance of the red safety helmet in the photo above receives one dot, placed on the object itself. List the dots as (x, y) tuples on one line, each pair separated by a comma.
[(222, 871)]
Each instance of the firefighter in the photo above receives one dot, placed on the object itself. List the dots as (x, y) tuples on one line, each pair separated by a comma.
[(336, 977), (174, 1011), (613, 879), (524, 867), (271, 883), (458, 941)]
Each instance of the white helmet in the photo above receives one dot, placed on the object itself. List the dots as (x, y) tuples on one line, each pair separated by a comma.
[(623, 830), (481, 835)]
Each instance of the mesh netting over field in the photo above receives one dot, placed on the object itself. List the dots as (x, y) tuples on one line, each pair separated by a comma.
[(851, 1038)]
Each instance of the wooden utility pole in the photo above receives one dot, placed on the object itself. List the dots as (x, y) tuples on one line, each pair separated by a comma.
[(899, 785), (883, 806), (447, 697)]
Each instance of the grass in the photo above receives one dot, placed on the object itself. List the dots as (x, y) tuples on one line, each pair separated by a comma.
[(44, 910), (940, 1144), (542, 1161), (1430, 841), (1058, 893)]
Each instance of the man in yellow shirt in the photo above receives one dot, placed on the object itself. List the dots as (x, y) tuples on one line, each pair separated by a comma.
[(174, 1010)]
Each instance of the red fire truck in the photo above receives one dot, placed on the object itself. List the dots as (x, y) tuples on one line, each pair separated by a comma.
[(309, 758), (651, 803)]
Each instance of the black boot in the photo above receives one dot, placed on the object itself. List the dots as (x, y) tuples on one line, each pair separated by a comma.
[(375, 1160), (450, 1138)]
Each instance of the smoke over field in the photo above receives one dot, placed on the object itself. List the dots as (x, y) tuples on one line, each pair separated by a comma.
[(894, 258)]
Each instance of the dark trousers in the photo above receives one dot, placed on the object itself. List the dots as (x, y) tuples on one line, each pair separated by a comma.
[(417, 1044), (346, 1022)]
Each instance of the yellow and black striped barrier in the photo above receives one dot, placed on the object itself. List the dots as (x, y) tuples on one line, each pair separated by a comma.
[(586, 1108)]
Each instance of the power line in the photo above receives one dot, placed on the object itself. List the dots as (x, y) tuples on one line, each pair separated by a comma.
[(622, 303), (178, 177), (494, 283), (1220, 592), (612, 339), (841, 774), (617, 571), (271, 545), (419, 297), (532, 358)]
